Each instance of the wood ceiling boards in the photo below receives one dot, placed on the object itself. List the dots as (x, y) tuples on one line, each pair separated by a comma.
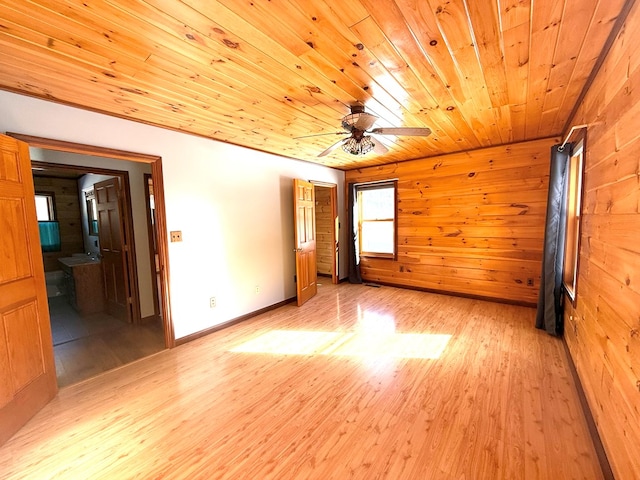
[(259, 73)]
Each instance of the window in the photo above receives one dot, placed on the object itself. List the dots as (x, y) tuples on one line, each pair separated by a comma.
[(377, 219), (45, 210), (574, 207), (47, 225)]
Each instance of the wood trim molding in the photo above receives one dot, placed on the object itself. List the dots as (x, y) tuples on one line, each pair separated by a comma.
[(450, 293), (233, 321), (622, 17), (163, 251), (607, 472), (151, 234), (323, 184), (161, 222), (335, 254), (80, 148)]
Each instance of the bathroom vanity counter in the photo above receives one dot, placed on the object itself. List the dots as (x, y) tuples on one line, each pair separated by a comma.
[(76, 261), (83, 279)]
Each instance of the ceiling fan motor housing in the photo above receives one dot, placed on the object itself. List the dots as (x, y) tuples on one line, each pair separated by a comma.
[(358, 118)]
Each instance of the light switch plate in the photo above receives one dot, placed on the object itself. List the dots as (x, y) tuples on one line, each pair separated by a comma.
[(176, 236)]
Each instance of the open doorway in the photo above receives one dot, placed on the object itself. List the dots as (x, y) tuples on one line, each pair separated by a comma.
[(327, 230), (102, 340), (101, 301)]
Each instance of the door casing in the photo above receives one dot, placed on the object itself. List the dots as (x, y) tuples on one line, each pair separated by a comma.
[(161, 224), (336, 228)]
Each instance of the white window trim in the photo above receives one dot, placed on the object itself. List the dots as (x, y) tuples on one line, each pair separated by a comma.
[(372, 186), (571, 286)]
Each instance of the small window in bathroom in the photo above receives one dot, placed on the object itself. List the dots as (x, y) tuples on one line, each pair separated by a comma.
[(45, 207), (47, 224)]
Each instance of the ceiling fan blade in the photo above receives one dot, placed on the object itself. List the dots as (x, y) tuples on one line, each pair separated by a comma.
[(378, 146), (321, 135), (332, 147), (415, 131), (365, 121)]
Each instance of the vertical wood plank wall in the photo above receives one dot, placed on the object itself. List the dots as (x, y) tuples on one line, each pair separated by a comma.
[(324, 239), (603, 330), (469, 223), (68, 216)]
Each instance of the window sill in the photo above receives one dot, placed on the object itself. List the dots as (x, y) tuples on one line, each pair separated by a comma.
[(389, 256)]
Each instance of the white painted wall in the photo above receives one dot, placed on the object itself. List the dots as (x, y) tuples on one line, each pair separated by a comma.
[(233, 205)]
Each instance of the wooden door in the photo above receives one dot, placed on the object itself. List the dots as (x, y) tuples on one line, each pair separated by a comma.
[(112, 249), (305, 239), (153, 244), (27, 367)]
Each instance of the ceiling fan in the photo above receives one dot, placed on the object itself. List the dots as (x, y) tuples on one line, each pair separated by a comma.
[(361, 140)]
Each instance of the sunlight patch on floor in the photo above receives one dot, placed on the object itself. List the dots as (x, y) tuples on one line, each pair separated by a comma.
[(351, 344)]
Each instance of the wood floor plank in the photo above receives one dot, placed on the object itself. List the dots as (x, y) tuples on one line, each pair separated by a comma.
[(361, 382)]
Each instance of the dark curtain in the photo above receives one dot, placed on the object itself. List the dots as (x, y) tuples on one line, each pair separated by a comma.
[(354, 258), (549, 315)]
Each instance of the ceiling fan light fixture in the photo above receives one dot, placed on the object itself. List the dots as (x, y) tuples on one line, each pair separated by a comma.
[(359, 146)]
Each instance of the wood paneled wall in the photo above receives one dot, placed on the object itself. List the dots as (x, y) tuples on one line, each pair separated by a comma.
[(324, 230), (468, 223), (68, 216), (603, 330)]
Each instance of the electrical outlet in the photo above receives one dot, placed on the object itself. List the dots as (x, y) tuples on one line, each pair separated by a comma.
[(176, 235), (529, 282), (257, 288), (212, 302)]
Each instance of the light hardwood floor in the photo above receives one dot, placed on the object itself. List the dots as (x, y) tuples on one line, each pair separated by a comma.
[(87, 345), (361, 382)]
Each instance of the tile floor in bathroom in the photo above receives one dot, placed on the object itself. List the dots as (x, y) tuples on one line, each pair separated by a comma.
[(88, 345)]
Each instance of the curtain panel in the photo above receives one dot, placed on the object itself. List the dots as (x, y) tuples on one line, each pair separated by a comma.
[(549, 314), (354, 257)]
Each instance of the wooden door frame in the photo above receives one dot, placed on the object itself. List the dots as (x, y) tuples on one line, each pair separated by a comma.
[(334, 214), (133, 313), (161, 230), (151, 233)]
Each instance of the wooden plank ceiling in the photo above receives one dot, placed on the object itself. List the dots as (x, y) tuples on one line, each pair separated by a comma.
[(259, 73)]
